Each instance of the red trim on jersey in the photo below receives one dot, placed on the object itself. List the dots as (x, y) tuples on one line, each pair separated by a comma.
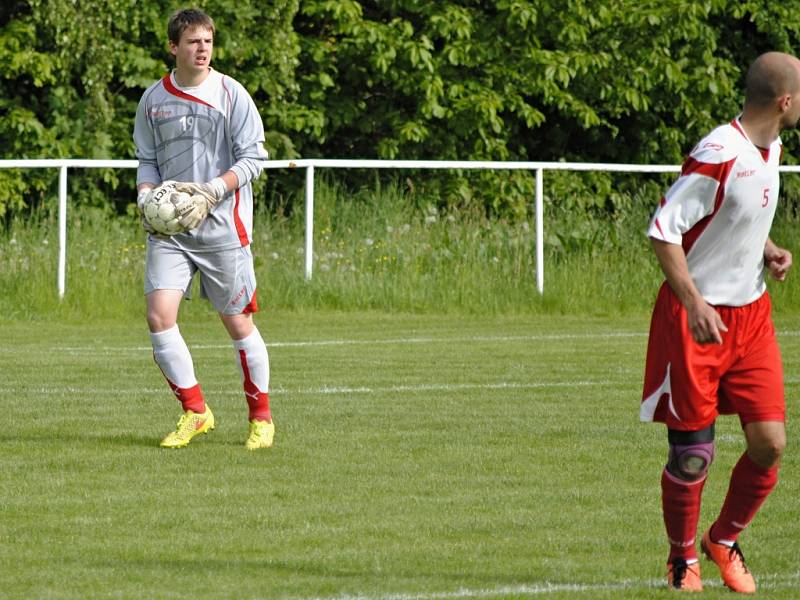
[(713, 170), (658, 226), (764, 151), (738, 127), (241, 230), (170, 87), (252, 307), (719, 172)]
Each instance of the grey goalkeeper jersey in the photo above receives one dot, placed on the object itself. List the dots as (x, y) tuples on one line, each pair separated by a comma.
[(196, 134)]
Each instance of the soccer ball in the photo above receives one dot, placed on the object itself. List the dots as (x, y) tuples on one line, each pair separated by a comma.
[(160, 208)]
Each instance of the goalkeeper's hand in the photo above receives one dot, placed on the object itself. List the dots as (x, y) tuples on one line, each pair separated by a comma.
[(213, 191), (141, 198), (202, 198)]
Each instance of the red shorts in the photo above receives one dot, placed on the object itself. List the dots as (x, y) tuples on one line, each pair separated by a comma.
[(686, 384)]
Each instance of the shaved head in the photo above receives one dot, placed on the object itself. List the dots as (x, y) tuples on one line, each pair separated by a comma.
[(771, 75)]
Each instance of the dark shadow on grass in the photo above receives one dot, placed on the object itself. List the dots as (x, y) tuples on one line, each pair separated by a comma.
[(125, 439), (290, 569), (129, 440), (192, 566)]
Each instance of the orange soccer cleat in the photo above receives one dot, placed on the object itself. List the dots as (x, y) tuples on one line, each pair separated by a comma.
[(684, 577), (730, 561)]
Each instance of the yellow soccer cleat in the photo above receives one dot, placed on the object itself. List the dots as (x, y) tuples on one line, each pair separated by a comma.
[(261, 435), (189, 425)]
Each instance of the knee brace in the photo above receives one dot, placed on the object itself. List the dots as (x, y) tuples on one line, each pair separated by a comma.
[(690, 453)]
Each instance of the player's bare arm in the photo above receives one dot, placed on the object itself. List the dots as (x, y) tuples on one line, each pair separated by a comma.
[(704, 322), (778, 260)]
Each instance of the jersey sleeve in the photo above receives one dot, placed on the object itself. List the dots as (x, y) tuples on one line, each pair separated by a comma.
[(144, 140), (247, 136), (693, 196)]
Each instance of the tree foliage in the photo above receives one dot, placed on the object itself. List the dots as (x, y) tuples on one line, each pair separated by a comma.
[(634, 81), (72, 73)]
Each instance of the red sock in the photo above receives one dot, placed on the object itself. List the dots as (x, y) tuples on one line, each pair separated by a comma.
[(190, 398), (749, 487), (258, 405), (680, 501)]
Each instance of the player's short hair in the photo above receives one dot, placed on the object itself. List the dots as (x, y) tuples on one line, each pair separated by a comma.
[(770, 76), (185, 18)]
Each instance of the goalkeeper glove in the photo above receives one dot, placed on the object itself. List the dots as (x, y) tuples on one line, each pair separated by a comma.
[(213, 191), (144, 194), (202, 198)]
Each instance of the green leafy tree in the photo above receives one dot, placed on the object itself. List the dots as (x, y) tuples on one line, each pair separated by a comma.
[(72, 73), (581, 80), (632, 81)]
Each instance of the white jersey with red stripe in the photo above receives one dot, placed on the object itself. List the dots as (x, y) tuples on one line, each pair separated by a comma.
[(196, 134), (720, 209)]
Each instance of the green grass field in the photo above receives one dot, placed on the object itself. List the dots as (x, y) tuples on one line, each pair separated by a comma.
[(417, 457)]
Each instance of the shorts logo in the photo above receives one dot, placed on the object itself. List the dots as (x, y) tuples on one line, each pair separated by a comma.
[(238, 297), (713, 146), (747, 173)]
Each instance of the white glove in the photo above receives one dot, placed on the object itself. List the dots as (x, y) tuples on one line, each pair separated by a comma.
[(144, 193), (213, 190), (191, 212), (202, 198)]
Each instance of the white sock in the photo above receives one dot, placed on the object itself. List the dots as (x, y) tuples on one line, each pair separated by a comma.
[(253, 351), (172, 355)]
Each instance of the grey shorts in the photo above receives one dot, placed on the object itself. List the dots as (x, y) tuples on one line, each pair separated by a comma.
[(227, 277)]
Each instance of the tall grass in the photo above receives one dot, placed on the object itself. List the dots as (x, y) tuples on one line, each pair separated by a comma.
[(104, 266), (376, 248)]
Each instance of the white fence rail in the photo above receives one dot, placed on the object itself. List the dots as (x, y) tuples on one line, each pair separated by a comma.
[(63, 165)]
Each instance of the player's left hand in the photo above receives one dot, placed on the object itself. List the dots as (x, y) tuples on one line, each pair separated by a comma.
[(778, 261), (202, 198), (191, 212), (212, 191)]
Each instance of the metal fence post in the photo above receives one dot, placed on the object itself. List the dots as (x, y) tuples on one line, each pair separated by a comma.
[(539, 231), (309, 220), (62, 230)]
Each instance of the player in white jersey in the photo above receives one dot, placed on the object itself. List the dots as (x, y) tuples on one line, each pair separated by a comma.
[(202, 128), (712, 348)]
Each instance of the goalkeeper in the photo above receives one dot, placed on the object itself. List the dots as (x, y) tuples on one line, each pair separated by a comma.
[(202, 129)]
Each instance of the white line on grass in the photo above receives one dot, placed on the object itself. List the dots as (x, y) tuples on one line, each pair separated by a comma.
[(767, 582), (320, 391), (351, 342), (388, 341), (334, 390), (376, 342), (448, 387), (518, 590)]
